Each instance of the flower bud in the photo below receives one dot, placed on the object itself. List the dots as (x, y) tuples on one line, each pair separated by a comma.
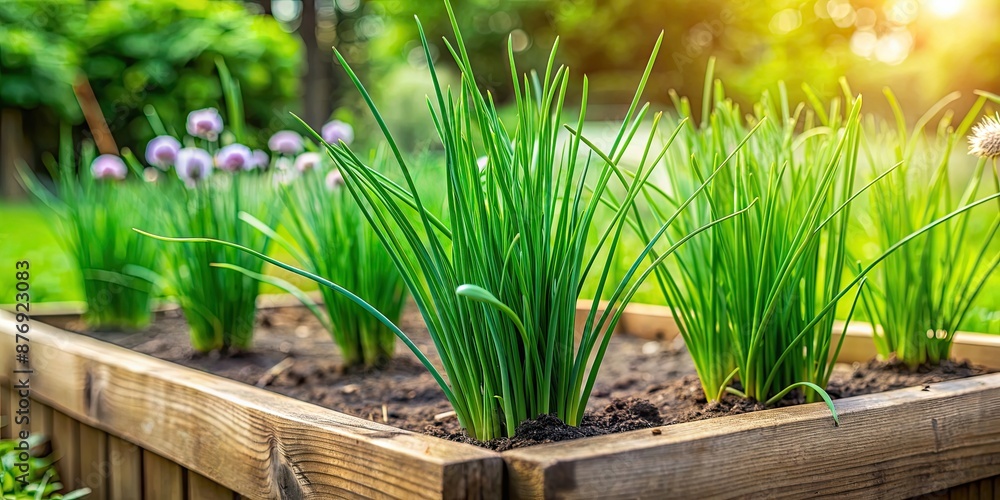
[(307, 161), (985, 139), (193, 165), (162, 151), (286, 142), (205, 123), (260, 160), (234, 157), (108, 167), (334, 180), (337, 131)]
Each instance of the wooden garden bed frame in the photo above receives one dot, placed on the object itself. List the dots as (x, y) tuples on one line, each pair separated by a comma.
[(132, 426)]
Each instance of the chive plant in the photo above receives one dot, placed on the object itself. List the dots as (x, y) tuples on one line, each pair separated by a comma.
[(216, 180), (497, 286), (922, 293), (755, 298), (330, 237), (219, 306), (95, 207)]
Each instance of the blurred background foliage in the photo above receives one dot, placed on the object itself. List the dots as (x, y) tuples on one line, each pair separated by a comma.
[(923, 49), (138, 52), (162, 52)]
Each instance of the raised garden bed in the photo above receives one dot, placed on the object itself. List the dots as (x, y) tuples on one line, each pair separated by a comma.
[(202, 436)]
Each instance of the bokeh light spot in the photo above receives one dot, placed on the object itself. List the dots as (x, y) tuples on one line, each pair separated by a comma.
[(785, 21), (945, 8)]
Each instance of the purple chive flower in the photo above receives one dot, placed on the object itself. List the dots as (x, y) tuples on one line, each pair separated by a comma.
[(307, 161), (205, 123), (162, 151), (337, 131), (260, 160), (193, 165), (108, 167), (334, 180), (234, 157), (286, 142)]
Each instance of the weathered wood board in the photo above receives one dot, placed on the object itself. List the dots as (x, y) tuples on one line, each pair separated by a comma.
[(897, 444), (257, 443)]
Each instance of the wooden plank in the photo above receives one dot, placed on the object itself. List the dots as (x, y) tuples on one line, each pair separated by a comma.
[(6, 412), (201, 488), (94, 464), (66, 447), (987, 489), (124, 470), (161, 478), (654, 322), (978, 348), (658, 323), (973, 490), (40, 418), (951, 431), (71, 310), (252, 441)]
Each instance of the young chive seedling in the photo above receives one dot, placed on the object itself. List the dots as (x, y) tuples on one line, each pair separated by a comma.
[(922, 293), (498, 286), (95, 208)]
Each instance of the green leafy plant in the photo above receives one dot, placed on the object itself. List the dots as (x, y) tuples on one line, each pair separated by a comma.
[(214, 184), (498, 285), (39, 481), (144, 52), (219, 306), (95, 207), (923, 292), (330, 237), (755, 298)]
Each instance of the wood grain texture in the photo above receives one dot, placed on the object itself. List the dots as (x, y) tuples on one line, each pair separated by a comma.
[(985, 489), (161, 478), (40, 418), (66, 447), (94, 464), (6, 411), (658, 323), (977, 348), (124, 469), (201, 488), (896, 444), (254, 442)]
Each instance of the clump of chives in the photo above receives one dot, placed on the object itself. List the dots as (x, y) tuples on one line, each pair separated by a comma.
[(95, 204)]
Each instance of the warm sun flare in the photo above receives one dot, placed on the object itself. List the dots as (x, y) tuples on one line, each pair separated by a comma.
[(945, 8)]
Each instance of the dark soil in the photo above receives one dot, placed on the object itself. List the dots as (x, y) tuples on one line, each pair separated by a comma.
[(642, 383)]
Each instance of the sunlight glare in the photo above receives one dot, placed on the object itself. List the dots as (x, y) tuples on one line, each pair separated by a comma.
[(945, 8)]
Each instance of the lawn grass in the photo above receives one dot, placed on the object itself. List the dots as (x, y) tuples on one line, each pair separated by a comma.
[(29, 232)]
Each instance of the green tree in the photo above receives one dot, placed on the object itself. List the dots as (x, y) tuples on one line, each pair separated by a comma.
[(138, 52)]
